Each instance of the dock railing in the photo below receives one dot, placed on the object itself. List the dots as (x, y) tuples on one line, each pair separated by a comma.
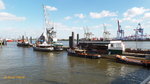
[(146, 81)]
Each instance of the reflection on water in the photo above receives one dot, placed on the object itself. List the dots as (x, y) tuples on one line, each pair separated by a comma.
[(58, 68)]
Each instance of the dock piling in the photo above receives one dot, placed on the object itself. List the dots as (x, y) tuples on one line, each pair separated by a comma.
[(23, 38), (30, 39), (77, 39)]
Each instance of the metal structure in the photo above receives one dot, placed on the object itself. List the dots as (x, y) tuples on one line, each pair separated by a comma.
[(120, 32), (51, 34), (105, 33), (87, 34), (139, 32)]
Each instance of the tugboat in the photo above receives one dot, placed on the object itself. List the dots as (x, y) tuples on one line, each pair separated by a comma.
[(24, 42), (47, 41), (82, 53), (3, 42)]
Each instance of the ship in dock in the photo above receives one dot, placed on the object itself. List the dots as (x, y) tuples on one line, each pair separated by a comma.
[(48, 41), (94, 47)]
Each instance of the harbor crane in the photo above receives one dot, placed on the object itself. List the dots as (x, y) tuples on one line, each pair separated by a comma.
[(105, 33), (120, 32), (87, 34), (139, 32)]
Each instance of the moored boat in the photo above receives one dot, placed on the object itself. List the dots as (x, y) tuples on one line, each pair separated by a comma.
[(58, 46), (43, 47), (24, 42), (9, 40), (82, 53), (133, 60), (47, 41)]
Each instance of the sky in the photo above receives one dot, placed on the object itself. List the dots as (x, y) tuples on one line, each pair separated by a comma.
[(25, 17)]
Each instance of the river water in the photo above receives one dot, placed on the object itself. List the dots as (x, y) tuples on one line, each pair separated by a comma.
[(59, 68)]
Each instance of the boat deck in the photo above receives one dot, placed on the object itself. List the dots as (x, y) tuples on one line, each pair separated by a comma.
[(140, 58)]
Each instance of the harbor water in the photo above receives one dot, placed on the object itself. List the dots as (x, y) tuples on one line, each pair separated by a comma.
[(20, 65)]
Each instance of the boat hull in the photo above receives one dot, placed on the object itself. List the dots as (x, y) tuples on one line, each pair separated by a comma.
[(58, 48), (133, 61), (10, 40), (24, 44), (43, 49), (83, 55)]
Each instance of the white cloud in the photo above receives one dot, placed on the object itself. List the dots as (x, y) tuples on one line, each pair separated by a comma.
[(132, 20), (128, 27), (104, 13), (50, 8), (147, 15), (16, 32), (68, 18), (7, 16), (2, 5), (81, 16), (135, 11)]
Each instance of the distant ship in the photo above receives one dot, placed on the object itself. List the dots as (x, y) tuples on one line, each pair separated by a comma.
[(47, 41), (9, 40), (3, 42)]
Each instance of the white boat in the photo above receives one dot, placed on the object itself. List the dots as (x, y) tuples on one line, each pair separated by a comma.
[(43, 47), (58, 46), (47, 41)]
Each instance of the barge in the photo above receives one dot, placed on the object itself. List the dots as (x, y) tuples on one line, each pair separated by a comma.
[(133, 60), (82, 53), (103, 47)]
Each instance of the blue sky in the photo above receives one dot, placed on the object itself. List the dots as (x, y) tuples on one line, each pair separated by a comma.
[(19, 17)]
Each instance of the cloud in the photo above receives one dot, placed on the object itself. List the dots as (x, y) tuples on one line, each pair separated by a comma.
[(50, 8), (102, 14), (147, 15), (132, 20), (15, 32), (81, 16), (135, 11), (68, 18), (2, 5), (7, 16), (128, 27)]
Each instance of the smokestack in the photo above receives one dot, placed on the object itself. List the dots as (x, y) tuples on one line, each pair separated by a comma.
[(70, 41), (23, 38)]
